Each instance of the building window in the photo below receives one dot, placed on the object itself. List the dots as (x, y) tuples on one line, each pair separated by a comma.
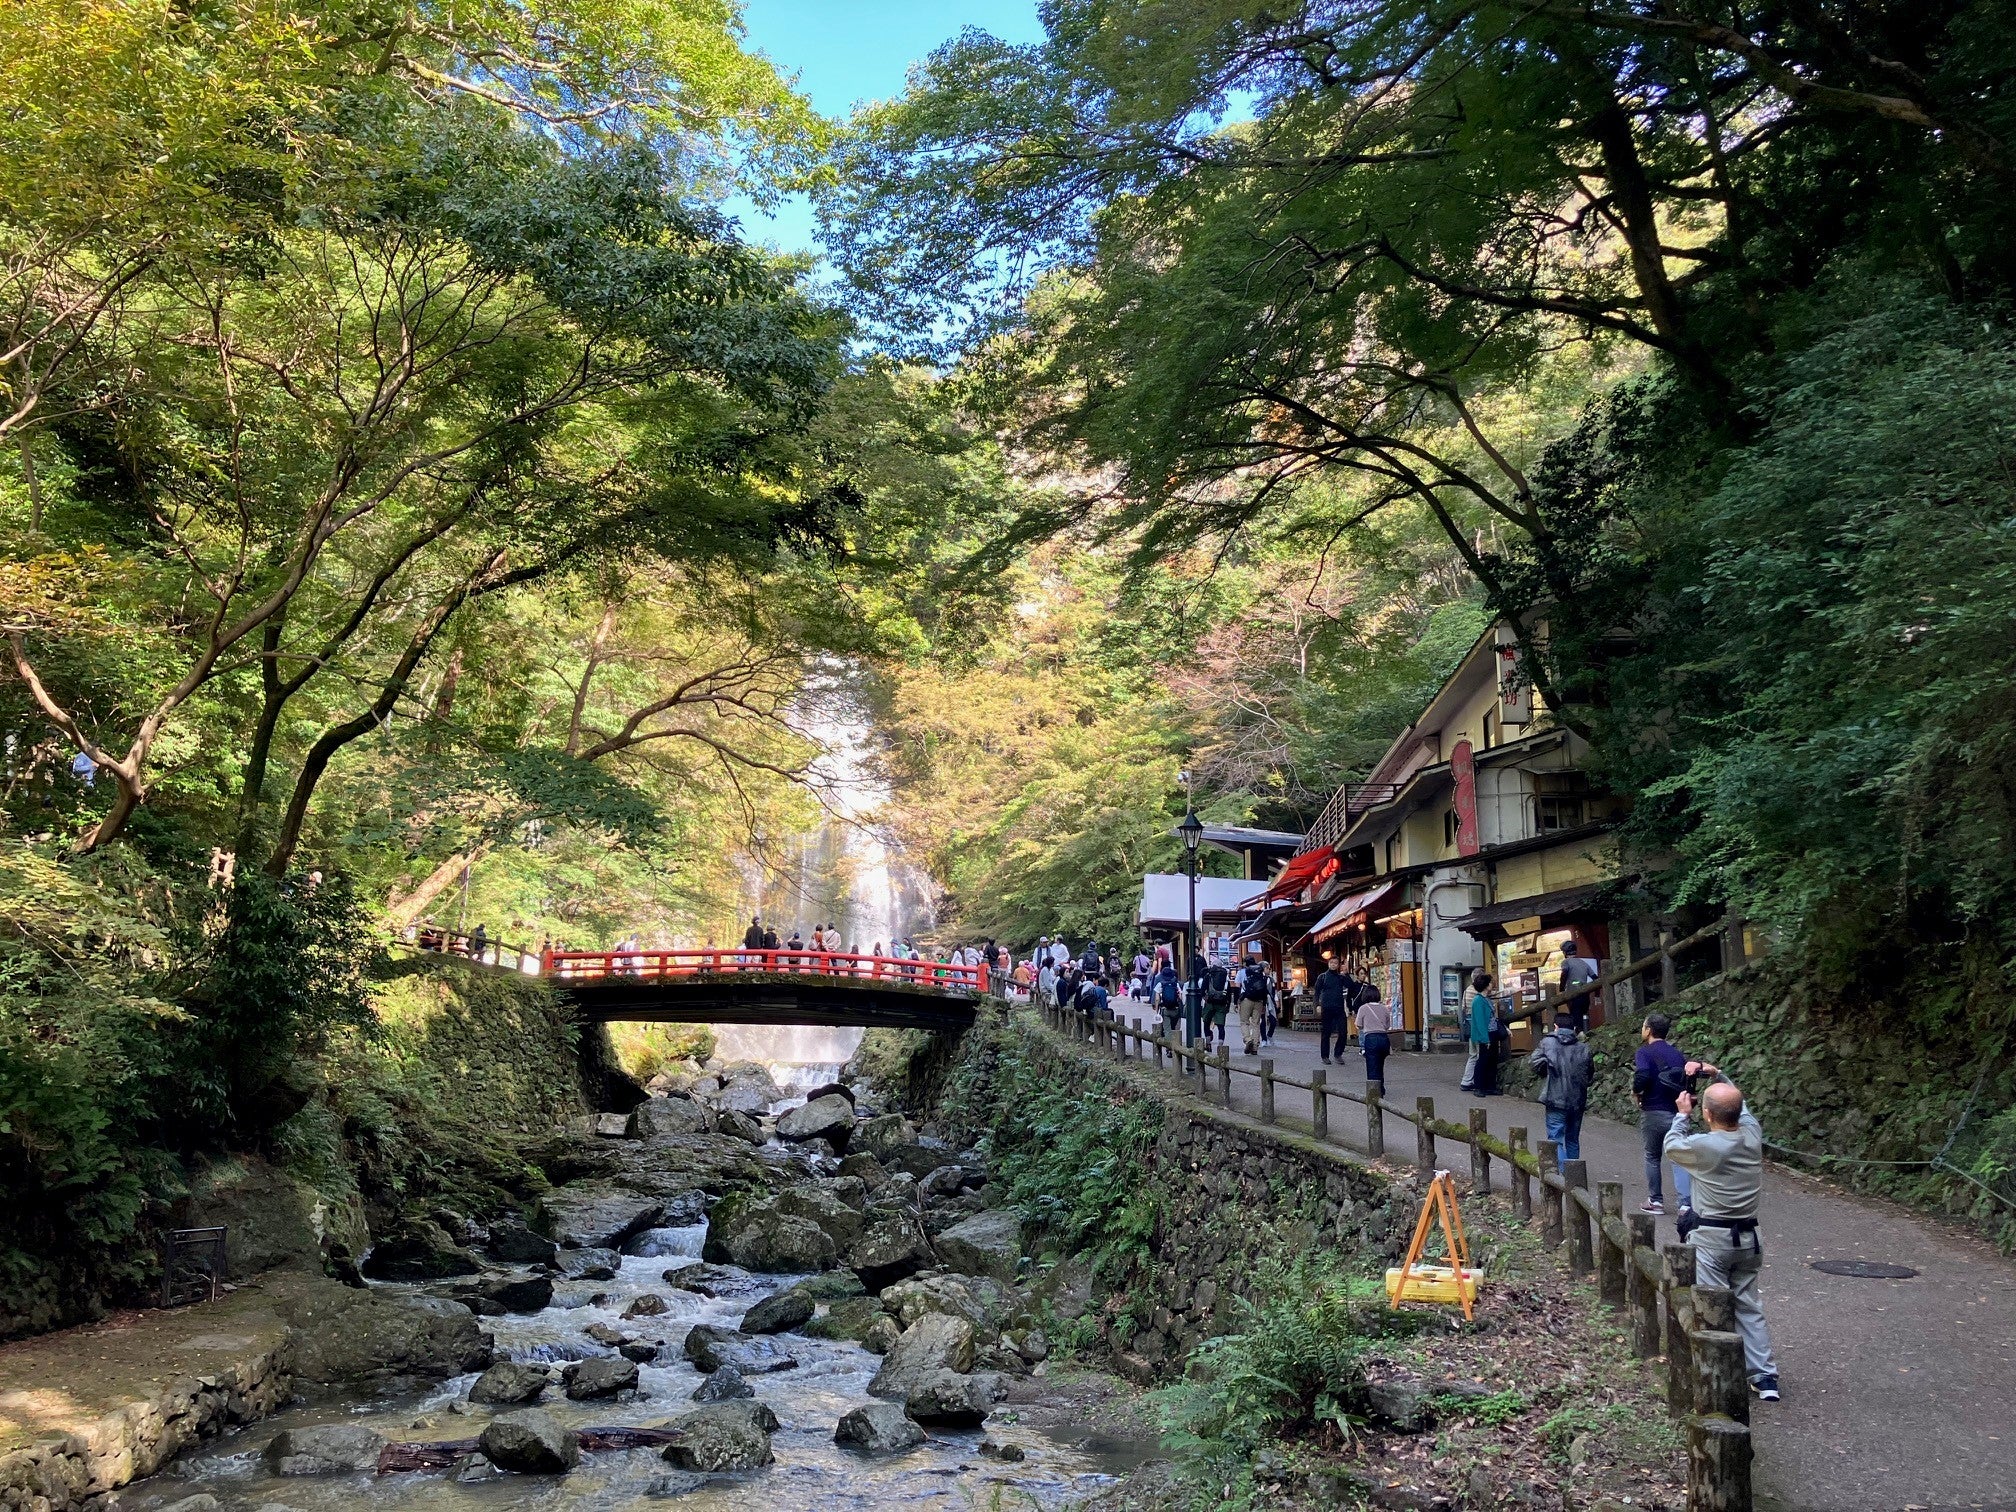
[(1490, 729), (1449, 828), (1561, 801)]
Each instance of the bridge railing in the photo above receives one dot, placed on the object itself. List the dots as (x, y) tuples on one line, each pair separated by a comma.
[(486, 951), (658, 965)]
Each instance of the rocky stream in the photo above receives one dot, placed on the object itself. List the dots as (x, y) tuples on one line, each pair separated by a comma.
[(739, 1296)]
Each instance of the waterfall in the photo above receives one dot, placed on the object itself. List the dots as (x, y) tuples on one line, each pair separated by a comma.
[(847, 874)]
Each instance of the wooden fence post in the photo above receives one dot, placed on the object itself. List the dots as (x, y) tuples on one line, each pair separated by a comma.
[(1225, 1076), (1156, 1041), (1319, 1103), (1375, 1124), (1580, 1260), (1720, 1386), (1480, 1158), (1679, 1260), (1522, 1179), (1714, 1309), (1267, 1091), (1612, 1256), (1641, 1290), (1552, 1233), (1203, 1072), (1424, 1135), (1718, 1466)]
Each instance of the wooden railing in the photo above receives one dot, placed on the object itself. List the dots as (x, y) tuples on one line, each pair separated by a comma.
[(1691, 1328), (486, 951), (660, 965)]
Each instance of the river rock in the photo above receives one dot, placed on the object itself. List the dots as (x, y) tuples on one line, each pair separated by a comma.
[(518, 1245), (890, 1248), (849, 1318), (588, 1264), (946, 1399), (779, 1312), (650, 1305), (881, 1335), (328, 1449), (710, 1280), (530, 1442), (345, 1335), (592, 1380), (934, 1342), (710, 1346), (509, 1385), (723, 1436), (777, 1243), (419, 1251), (1401, 1404), (980, 1300), (723, 1385), (878, 1428), (657, 1117), (744, 1088), (840, 1220), (830, 1118), (987, 1244), (517, 1292), (582, 1217), (610, 1125), (918, 1159), (865, 1168), (739, 1125), (875, 1135)]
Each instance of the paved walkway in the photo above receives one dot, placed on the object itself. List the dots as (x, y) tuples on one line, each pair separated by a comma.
[(1898, 1394)]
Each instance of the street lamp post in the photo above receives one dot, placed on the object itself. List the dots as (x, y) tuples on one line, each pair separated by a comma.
[(1192, 831)]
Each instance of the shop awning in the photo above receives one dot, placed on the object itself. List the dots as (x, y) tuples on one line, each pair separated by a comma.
[(1349, 910), (1547, 909), (1297, 874)]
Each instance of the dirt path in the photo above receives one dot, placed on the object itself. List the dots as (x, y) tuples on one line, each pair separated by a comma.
[(1898, 1394)]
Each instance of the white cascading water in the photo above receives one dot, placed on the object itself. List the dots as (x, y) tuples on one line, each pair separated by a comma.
[(847, 875)]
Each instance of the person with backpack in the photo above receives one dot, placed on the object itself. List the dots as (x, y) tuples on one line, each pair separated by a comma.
[(1565, 1066), (1093, 1001), (1215, 993), (1658, 1077), (1167, 993), (1091, 962), (1333, 1001), (1256, 991)]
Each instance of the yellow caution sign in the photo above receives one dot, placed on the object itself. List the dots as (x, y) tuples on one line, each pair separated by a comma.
[(1416, 1281)]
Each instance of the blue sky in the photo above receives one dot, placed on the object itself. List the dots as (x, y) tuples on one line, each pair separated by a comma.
[(846, 51)]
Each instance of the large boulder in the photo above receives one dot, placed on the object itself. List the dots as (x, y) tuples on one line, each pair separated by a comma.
[(723, 1385), (980, 1300), (344, 1335), (419, 1251), (934, 1342), (711, 1280), (530, 1442), (891, 1247), (779, 1312), (987, 1244), (878, 1428), (875, 1135), (723, 1436), (276, 1221), (744, 1087), (775, 1243), (849, 1318), (740, 1126), (512, 1292), (328, 1449), (598, 1217), (593, 1380), (657, 1117), (865, 1167), (918, 1159), (946, 1399), (830, 1118), (710, 1346), (509, 1384), (840, 1220), (516, 1244)]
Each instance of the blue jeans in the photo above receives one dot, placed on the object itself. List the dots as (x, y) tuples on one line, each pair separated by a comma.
[(1565, 1129), (1333, 1029), (1652, 1126), (1376, 1045)]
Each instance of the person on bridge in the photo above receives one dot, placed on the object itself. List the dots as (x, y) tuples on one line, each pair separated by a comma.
[(479, 940), (769, 938), (1256, 991), (1565, 1066), (1375, 1037), (1333, 1000), (752, 937), (1726, 1161)]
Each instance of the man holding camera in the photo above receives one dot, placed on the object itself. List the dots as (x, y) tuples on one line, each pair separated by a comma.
[(1726, 1160)]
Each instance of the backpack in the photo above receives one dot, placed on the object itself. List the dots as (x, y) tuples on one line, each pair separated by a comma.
[(1254, 983), (1217, 985), (1674, 1079), (1167, 993)]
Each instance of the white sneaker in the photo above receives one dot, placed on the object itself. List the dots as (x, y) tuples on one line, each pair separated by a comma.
[(1652, 1205)]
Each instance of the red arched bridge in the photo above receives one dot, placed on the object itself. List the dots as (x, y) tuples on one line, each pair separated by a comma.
[(736, 986)]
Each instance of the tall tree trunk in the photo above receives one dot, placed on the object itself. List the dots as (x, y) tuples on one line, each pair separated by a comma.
[(405, 910)]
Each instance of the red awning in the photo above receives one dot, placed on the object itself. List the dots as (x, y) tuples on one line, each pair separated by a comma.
[(1350, 911), (1295, 876)]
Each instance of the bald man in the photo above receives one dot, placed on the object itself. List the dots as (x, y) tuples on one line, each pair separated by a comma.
[(1727, 1162)]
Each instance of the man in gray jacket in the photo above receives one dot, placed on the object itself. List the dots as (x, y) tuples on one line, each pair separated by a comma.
[(1564, 1064), (1727, 1161)]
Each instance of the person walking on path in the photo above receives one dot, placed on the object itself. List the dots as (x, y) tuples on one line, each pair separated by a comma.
[(1167, 992), (1483, 1041), (1565, 1066), (1046, 979), (1658, 1077), (1726, 1160), (1333, 998), (1375, 1038), (1256, 989)]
